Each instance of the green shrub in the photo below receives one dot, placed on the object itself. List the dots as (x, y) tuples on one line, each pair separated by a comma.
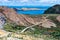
[(12, 27)]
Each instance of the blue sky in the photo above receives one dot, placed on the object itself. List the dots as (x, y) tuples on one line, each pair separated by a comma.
[(29, 2)]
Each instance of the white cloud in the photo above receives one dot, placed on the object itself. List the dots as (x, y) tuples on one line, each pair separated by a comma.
[(48, 1), (31, 2), (24, 0), (4, 0)]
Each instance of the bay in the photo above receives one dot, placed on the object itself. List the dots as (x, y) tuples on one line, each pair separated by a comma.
[(41, 11)]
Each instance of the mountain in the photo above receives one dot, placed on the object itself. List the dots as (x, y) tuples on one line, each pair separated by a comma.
[(25, 20), (53, 10)]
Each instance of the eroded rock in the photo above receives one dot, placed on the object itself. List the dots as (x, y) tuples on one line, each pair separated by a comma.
[(58, 18), (2, 20)]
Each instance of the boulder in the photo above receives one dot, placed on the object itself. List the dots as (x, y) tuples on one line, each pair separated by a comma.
[(2, 20), (58, 18)]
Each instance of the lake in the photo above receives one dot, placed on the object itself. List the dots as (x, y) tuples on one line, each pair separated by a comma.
[(41, 11)]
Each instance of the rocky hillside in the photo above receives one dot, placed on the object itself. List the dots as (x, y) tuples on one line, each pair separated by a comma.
[(25, 20), (14, 33), (53, 10)]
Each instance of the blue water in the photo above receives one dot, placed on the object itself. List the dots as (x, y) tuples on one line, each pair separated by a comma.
[(31, 12), (43, 8)]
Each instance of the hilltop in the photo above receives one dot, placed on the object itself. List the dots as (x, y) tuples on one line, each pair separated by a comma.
[(53, 10)]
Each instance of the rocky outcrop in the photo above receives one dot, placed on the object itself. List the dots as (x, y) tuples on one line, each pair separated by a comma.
[(2, 20), (4, 35), (53, 10), (25, 20), (58, 18)]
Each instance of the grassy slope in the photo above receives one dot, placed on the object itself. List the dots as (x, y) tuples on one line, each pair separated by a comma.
[(46, 34)]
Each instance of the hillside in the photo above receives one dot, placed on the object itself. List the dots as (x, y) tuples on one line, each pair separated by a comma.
[(25, 20), (53, 10), (28, 27)]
